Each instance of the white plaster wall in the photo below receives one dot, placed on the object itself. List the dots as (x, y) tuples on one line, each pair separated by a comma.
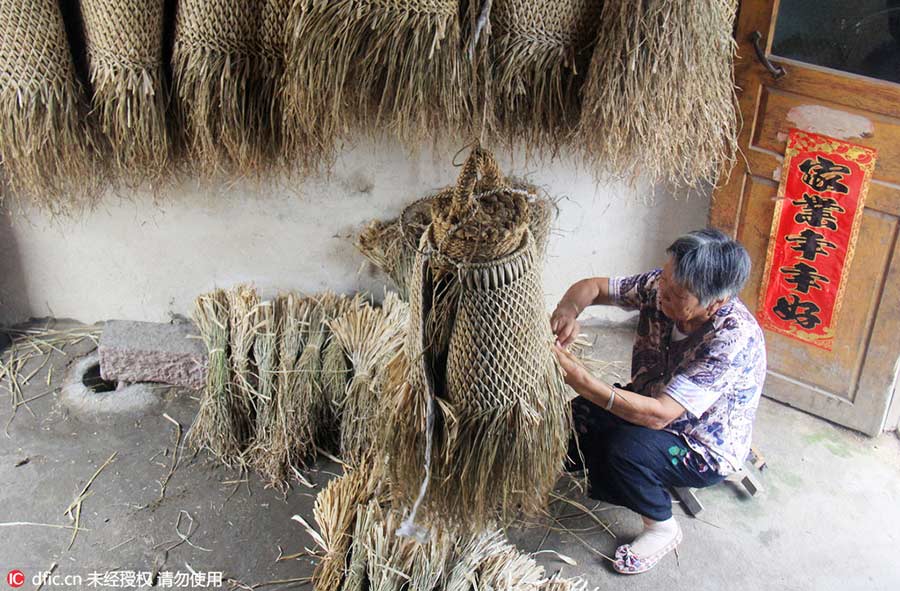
[(134, 259)]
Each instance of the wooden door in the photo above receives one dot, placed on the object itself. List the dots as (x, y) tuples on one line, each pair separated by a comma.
[(841, 77)]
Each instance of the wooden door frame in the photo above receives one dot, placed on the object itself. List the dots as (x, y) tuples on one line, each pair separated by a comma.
[(763, 165)]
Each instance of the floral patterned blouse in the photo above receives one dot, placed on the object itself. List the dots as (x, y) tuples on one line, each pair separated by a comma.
[(716, 373)]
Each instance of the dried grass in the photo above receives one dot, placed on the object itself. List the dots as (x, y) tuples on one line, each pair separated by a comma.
[(386, 64), (218, 72), (47, 150), (370, 337), (218, 425), (125, 54), (659, 101), (242, 302)]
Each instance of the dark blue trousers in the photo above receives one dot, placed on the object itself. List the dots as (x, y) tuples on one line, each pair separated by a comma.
[(630, 465)]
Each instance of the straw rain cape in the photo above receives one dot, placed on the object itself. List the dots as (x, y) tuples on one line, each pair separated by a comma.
[(659, 99), (538, 52), (218, 69), (125, 56), (478, 364), (45, 147), (375, 65)]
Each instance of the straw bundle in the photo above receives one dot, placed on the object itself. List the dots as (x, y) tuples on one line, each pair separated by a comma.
[(266, 401), (335, 512), (312, 408), (45, 147), (125, 53), (370, 337), (659, 98), (218, 424), (242, 303), (482, 384), (539, 52), (217, 66), (375, 64)]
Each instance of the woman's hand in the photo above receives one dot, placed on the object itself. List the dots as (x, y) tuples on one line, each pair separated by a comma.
[(575, 373), (563, 323)]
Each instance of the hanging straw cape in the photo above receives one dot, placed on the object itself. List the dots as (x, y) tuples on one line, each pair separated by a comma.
[(375, 64), (45, 146), (218, 68), (659, 99), (125, 55), (477, 364), (538, 53)]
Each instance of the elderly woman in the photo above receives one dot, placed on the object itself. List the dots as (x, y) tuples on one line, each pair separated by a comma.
[(698, 367)]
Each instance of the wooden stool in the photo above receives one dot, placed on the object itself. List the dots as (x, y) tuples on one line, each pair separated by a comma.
[(688, 496)]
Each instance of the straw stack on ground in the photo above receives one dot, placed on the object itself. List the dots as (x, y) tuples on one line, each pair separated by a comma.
[(659, 99), (370, 337), (538, 53), (480, 364), (217, 426), (125, 54), (217, 66), (358, 533), (375, 64), (45, 145)]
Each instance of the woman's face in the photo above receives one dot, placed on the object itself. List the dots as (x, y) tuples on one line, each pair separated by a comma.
[(677, 303)]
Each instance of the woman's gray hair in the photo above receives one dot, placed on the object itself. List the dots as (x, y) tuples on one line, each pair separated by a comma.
[(709, 264)]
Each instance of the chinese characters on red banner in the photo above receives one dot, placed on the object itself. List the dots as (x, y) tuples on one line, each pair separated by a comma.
[(817, 218)]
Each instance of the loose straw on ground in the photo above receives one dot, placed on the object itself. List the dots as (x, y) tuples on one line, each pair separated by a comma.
[(73, 511)]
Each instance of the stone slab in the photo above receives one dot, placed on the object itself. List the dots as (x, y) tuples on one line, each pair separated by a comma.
[(133, 351)]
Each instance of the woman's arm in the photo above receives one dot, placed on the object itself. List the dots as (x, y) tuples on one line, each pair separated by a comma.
[(655, 413), (587, 292)]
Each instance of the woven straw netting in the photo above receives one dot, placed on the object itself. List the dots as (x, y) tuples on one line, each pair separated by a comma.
[(44, 145), (218, 67), (375, 65), (125, 53), (659, 100), (484, 218), (539, 51), (503, 429)]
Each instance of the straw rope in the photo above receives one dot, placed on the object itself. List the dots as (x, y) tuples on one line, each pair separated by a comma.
[(125, 54), (375, 65), (659, 99), (46, 149)]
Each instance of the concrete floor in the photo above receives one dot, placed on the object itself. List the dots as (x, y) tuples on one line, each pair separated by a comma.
[(829, 517)]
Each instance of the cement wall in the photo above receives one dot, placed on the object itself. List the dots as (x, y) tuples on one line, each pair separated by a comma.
[(134, 259)]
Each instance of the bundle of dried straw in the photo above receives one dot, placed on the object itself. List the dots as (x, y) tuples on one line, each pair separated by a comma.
[(659, 99), (218, 425), (46, 149), (375, 64), (370, 337), (125, 55)]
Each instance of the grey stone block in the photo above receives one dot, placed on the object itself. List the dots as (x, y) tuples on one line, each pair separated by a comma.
[(153, 352)]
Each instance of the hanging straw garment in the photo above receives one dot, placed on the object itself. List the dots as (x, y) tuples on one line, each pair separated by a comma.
[(478, 355), (281, 148), (539, 52), (659, 99), (217, 65), (45, 148), (375, 64), (125, 55)]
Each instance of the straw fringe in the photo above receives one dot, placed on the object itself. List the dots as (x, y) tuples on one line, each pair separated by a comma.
[(375, 64), (219, 70), (539, 52), (659, 101), (46, 149), (125, 54)]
